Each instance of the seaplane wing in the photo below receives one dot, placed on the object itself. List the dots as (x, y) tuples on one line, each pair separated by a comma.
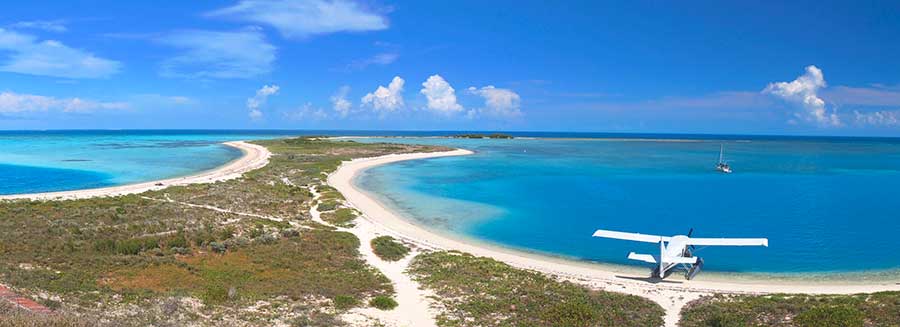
[(729, 241), (642, 257), (631, 236)]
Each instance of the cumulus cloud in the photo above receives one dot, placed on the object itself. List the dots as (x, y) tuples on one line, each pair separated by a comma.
[(301, 18), (57, 26), (803, 91), (386, 99), (878, 118), (441, 96), (339, 102), (28, 55), (498, 102), (11, 102), (259, 99), (216, 54)]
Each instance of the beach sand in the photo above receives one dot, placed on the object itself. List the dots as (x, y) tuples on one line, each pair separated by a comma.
[(254, 157), (672, 294)]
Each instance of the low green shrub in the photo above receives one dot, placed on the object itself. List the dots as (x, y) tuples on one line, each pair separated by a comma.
[(479, 291), (344, 302), (831, 316), (327, 205), (341, 217), (217, 247), (789, 310), (388, 249), (383, 302)]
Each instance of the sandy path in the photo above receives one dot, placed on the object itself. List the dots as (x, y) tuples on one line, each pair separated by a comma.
[(255, 156), (413, 303), (671, 294)]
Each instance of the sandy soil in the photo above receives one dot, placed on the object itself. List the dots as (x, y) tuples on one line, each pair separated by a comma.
[(254, 157), (672, 294)]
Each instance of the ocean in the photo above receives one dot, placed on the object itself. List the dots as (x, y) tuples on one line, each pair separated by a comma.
[(827, 205), (47, 161), (61, 160)]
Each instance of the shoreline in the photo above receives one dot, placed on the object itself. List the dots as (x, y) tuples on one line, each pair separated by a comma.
[(671, 294), (253, 157)]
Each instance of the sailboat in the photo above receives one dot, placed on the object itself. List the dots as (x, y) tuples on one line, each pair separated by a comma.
[(723, 166)]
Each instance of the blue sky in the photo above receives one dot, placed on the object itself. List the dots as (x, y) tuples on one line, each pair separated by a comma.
[(804, 67)]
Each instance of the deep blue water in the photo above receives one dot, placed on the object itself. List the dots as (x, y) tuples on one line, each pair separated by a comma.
[(826, 204)]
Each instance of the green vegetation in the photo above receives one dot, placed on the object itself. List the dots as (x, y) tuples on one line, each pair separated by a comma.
[(342, 217), (483, 136), (96, 256), (327, 205), (344, 302), (877, 309), (388, 249), (383, 302), (477, 291), (329, 193)]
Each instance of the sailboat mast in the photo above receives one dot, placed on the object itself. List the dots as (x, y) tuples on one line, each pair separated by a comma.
[(721, 152)]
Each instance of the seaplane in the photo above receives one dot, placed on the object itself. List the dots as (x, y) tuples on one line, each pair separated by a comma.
[(676, 251)]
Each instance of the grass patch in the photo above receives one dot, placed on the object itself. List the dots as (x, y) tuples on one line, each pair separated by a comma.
[(341, 217), (388, 249), (327, 205), (316, 263), (478, 291), (344, 302), (877, 309), (383, 302)]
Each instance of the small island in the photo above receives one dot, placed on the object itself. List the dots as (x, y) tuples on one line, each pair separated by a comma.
[(482, 136)]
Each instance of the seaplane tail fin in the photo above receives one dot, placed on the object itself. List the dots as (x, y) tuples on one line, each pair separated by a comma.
[(631, 236), (642, 257)]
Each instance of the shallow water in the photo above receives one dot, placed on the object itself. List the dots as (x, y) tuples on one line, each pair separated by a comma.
[(68, 160), (826, 205)]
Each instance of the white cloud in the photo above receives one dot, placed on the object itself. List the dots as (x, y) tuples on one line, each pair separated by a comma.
[(259, 99), (306, 112), (874, 95), (386, 99), (23, 103), (380, 59), (878, 118), (441, 96), (57, 26), (498, 102), (803, 91), (300, 18), (30, 56), (339, 102), (214, 54), (153, 99)]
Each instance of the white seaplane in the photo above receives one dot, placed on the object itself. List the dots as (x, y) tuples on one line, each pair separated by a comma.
[(677, 250)]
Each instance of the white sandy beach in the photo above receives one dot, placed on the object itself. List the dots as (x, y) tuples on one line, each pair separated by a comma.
[(254, 157), (671, 294)]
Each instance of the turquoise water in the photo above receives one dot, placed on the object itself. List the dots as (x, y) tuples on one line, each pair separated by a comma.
[(826, 205), (67, 160), (60, 160)]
